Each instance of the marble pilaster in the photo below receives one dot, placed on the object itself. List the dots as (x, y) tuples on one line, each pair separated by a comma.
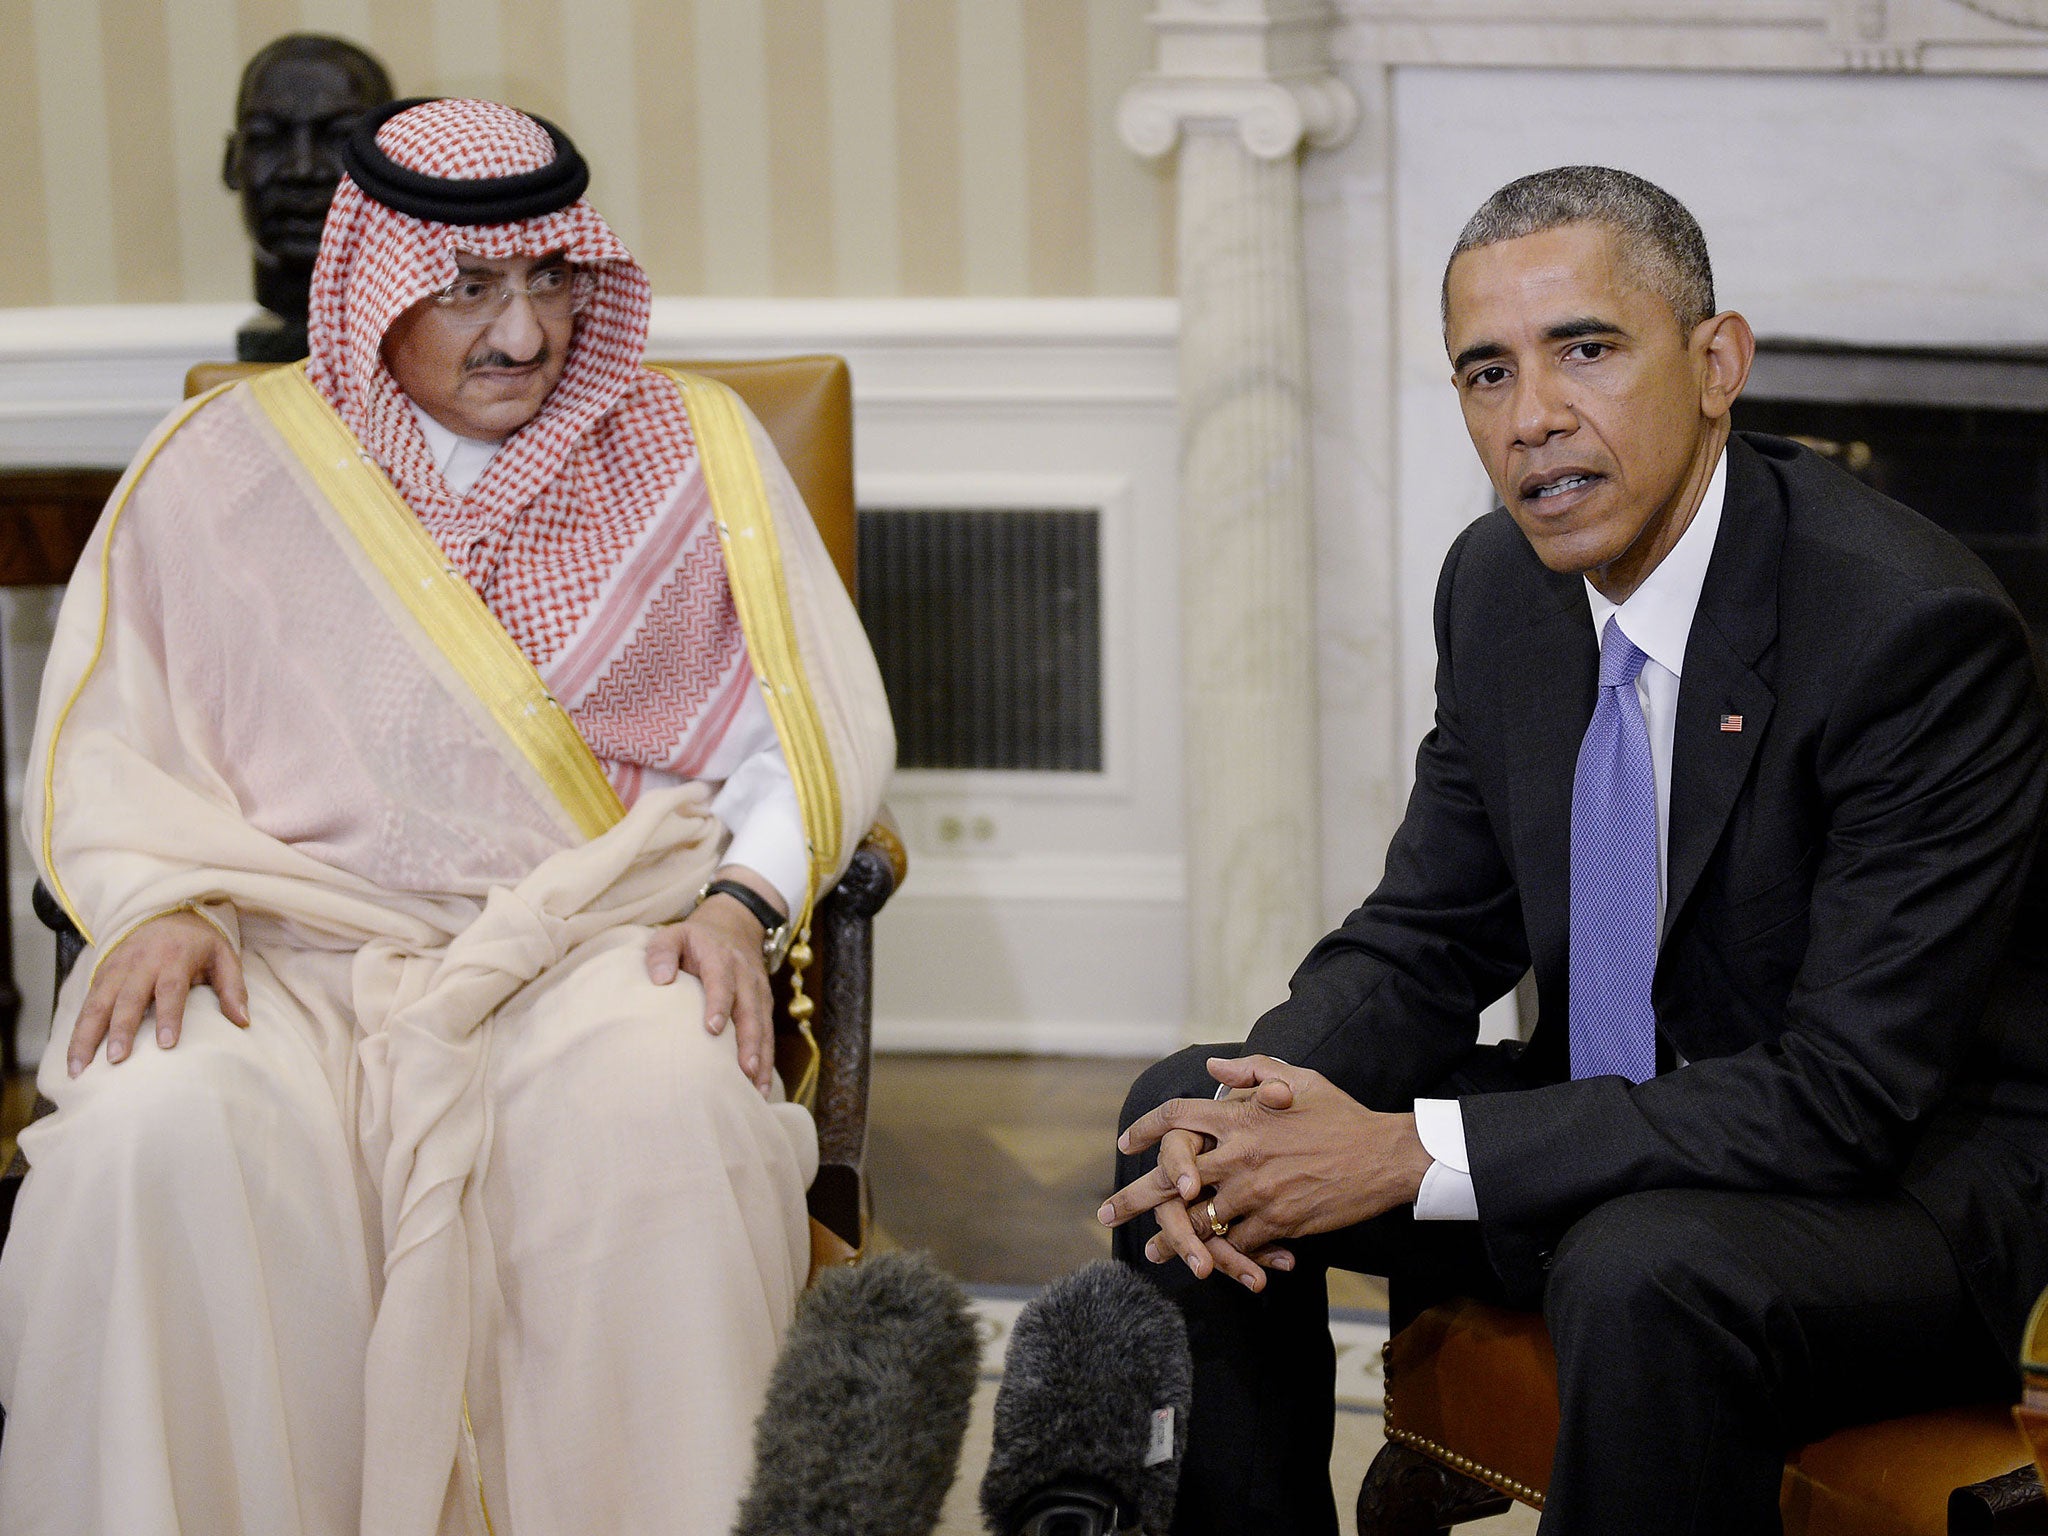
[(1240, 89)]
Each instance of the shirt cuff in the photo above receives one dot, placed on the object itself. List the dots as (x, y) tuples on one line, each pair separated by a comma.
[(1446, 1193), (759, 804)]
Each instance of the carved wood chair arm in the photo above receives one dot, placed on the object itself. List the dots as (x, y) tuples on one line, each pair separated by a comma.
[(841, 979), (2014, 1502), (877, 870), (70, 942)]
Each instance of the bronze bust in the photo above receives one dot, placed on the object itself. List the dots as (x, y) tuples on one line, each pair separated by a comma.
[(300, 97)]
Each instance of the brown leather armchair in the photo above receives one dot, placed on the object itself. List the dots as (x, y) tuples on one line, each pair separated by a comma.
[(1471, 1419), (806, 406)]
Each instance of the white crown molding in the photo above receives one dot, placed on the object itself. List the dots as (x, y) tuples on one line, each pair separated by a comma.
[(1051, 323), (67, 333), (1258, 67), (83, 385), (961, 356)]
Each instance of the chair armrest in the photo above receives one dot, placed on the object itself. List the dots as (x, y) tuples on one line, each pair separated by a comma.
[(841, 979), (2013, 1502), (70, 942), (877, 869)]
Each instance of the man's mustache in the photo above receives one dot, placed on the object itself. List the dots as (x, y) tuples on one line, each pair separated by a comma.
[(497, 359)]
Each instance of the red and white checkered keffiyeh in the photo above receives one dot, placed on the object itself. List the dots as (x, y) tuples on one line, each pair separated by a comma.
[(590, 535)]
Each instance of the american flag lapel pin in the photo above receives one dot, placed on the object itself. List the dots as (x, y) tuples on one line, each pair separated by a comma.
[(1731, 722)]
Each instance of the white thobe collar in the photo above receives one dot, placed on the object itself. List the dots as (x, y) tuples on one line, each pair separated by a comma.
[(1657, 616), (461, 460)]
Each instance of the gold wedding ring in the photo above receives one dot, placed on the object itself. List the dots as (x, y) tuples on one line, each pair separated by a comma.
[(1217, 1227)]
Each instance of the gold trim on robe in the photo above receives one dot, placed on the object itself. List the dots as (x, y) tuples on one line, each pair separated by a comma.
[(753, 567), (454, 617), (115, 508)]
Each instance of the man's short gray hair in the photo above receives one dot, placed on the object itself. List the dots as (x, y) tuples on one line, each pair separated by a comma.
[(1656, 234)]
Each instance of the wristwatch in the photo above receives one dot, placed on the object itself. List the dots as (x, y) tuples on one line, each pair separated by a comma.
[(775, 932)]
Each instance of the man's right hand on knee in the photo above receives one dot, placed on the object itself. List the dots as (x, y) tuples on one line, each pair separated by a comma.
[(157, 963)]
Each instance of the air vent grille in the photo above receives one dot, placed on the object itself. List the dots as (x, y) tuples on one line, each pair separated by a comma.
[(988, 628)]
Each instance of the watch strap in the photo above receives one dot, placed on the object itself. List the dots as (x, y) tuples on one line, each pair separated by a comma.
[(774, 926)]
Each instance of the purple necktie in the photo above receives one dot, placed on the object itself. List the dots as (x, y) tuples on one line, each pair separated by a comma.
[(1614, 878)]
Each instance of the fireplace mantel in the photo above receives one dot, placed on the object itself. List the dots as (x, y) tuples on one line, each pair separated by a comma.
[(1935, 36)]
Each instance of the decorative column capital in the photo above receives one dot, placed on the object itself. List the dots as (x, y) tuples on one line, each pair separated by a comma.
[(1867, 33), (1894, 35), (1261, 67)]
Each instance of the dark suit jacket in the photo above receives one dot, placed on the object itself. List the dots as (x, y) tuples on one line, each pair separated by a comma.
[(1855, 956)]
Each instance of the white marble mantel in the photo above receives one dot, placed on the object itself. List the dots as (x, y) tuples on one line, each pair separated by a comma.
[(1943, 36)]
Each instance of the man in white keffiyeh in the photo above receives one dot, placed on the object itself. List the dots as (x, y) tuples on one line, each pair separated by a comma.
[(438, 747)]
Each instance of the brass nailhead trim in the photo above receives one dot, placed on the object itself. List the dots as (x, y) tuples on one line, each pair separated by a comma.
[(1465, 1464)]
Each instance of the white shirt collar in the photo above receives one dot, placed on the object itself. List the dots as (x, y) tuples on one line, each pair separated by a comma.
[(461, 460), (1658, 615)]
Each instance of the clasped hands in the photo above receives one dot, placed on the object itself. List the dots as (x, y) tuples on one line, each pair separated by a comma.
[(1285, 1154)]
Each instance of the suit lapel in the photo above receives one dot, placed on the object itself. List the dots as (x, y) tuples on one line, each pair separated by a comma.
[(1552, 673), (1735, 625)]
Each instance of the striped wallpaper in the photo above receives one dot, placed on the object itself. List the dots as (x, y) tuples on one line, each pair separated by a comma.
[(741, 147)]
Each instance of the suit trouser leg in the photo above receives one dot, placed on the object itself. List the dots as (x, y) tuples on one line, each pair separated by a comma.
[(1259, 1436), (1701, 1334)]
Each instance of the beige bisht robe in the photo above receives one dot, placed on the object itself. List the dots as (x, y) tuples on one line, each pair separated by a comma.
[(475, 1226)]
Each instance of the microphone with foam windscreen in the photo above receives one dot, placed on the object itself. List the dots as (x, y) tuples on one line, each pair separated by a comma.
[(1092, 1415), (867, 1407)]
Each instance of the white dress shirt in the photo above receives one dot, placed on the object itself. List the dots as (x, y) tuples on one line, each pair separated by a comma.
[(1657, 618), (758, 798)]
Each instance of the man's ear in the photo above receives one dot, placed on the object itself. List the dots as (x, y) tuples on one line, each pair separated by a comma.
[(231, 163), (1727, 346)]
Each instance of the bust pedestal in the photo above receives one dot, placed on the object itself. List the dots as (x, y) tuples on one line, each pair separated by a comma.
[(276, 333)]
